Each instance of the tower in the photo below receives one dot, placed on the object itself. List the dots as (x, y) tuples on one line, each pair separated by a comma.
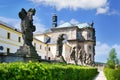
[(54, 20)]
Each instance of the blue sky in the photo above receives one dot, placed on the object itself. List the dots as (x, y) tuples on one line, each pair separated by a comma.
[(104, 13)]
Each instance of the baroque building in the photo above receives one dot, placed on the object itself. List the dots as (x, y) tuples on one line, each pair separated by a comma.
[(76, 42)]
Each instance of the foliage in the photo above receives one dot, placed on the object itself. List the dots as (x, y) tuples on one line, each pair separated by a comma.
[(112, 69), (112, 74), (112, 60), (45, 71)]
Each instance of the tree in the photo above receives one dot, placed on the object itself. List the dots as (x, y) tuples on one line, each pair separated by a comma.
[(112, 60)]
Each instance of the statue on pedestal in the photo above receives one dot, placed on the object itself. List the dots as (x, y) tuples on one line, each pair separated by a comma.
[(60, 48), (27, 29), (60, 44)]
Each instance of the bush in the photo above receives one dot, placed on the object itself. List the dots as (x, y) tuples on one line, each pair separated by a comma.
[(45, 71), (112, 60), (112, 74)]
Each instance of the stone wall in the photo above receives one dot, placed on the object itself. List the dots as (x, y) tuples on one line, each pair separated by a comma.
[(11, 57), (70, 32)]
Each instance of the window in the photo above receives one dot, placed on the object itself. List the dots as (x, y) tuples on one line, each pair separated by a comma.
[(49, 49), (19, 39), (48, 58), (40, 47), (1, 47), (79, 35), (8, 35), (8, 50)]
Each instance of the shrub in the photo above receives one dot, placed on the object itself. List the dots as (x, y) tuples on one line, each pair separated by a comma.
[(112, 59), (112, 74), (45, 71)]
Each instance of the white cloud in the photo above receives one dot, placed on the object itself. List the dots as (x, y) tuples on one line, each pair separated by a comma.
[(72, 21), (113, 12), (102, 10), (103, 49), (11, 21), (100, 5), (8, 20), (16, 23)]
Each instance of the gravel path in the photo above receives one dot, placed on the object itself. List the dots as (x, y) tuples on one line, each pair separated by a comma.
[(101, 75)]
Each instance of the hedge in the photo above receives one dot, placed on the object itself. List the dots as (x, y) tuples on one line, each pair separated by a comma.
[(45, 71), (112, 74)]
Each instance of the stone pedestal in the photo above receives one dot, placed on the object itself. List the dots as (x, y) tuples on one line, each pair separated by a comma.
[(60, 59), (28, 52)]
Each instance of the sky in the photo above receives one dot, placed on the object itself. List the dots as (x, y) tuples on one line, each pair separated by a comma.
[(104, 13)]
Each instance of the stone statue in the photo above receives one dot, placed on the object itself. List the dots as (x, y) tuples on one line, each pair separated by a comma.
[(60, 44), (59, 56), (80, 55), (88, 59), (72, 56), (27, 26), (92, 24)]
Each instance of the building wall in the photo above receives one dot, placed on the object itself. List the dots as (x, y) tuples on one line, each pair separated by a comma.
[(70, 32), (88, 34), (41, 37), (84, 34), (66, 52), (40, 48), (50, 50), (12, 43)]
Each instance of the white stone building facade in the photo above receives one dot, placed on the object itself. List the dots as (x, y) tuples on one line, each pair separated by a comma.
[(81, 36)]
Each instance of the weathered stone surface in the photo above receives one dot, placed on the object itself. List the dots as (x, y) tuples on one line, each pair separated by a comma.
[(27, 51), (27, 27)]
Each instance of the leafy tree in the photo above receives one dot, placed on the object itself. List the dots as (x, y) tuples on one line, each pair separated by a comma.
[(112, 60)]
